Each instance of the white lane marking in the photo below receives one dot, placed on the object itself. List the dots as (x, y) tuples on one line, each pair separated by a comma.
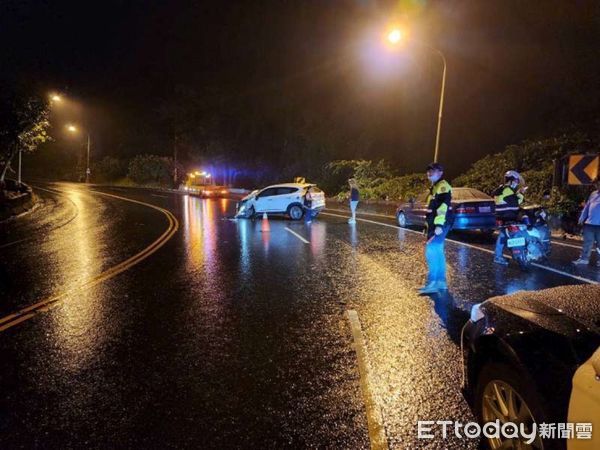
[(374, 417), (297, 235), (567, 274), (564, 244), (363, 213), (376, 223), (156, 195), (540, 266)]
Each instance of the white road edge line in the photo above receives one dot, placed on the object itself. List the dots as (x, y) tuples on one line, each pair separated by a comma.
[(157, 195), (540, 266), (563, 244), (374, 417), (297, 235)]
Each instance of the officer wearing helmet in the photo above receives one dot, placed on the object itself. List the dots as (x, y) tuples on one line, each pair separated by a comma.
[(439, 221), (508, 199)]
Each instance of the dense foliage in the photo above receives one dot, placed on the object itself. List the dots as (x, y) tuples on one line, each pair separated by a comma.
[(23, 125), (534, 159), (377, 180), (109, 169), (151, 169)]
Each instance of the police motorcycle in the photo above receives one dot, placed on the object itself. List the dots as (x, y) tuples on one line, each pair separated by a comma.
[(528, 239)]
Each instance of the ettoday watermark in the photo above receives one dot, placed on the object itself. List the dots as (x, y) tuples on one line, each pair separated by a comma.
[(430, 429)]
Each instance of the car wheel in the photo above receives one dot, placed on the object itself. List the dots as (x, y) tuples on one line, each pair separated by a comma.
[(295, 212), (401, 218), (504, 394), (250, 213)]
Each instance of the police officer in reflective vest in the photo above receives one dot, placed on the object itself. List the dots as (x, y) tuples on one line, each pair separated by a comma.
[(508, 199), (439, 221)]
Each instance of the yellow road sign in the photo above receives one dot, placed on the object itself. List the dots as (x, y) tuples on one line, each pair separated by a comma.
[(583, 169)]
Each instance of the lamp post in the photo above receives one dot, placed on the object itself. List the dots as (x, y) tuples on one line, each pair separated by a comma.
[(394, 37), (73, 129), (19, 171)]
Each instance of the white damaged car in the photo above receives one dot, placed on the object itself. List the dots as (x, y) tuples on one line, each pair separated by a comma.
[(286, 198)]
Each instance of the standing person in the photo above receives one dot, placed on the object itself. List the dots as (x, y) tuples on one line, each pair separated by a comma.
[(439, 220), (508, 198), (354, 198), (308, 206), (590, 219)]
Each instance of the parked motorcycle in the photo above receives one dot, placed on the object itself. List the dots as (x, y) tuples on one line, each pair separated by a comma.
[(528, 242)]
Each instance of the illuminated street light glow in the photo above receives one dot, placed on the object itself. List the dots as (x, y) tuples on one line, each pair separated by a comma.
[(395, 36), (71, 128), (55, 98)]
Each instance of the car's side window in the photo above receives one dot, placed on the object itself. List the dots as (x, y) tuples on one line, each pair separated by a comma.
[(268, 193), (285, 191)]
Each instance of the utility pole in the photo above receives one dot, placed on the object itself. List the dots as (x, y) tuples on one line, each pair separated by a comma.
[(87, 170), (19, 171)]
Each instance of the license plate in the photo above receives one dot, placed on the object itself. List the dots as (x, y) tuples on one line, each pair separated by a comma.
[(485, 209), (516, 242)]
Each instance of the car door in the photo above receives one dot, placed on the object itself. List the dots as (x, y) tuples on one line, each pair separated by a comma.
[(265, 200), (584, 406), (284, 196), (417, 212)]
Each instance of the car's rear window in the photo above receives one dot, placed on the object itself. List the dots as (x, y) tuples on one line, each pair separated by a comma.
[(286, 190), (468, 194)]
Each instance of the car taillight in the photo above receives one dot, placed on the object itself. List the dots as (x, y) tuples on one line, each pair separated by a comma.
[(513, 228), (462, 209)]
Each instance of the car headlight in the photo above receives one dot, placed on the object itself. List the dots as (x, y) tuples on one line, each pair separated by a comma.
[(242, 207), (476, 313)]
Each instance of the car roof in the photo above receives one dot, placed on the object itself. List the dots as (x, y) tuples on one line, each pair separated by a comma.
[(294, 185), (475, 192), (579, 302)]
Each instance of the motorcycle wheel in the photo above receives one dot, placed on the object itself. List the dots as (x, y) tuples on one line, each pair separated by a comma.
[(522, 260)]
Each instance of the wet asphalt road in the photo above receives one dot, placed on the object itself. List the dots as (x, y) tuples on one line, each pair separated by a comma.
[(223, 336)]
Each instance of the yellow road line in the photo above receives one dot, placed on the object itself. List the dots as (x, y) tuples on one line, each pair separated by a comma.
[(30, 311), (374, 417)]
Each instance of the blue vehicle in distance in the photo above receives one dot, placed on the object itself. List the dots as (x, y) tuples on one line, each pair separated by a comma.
[(471, 208)]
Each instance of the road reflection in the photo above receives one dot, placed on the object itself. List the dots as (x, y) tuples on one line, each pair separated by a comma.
[(78, 322), (201, 233)]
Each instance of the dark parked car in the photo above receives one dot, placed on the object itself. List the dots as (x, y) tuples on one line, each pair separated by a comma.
[(521, 351), (472, 210)]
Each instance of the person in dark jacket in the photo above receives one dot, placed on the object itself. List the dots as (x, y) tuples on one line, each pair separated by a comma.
[(439, 220), (508, 198), (308, 212)]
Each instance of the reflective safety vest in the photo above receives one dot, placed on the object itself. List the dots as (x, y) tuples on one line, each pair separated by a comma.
[(439, 204), (507, 202)]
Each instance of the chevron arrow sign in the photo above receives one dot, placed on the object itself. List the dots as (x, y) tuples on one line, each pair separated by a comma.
[(583, 169)]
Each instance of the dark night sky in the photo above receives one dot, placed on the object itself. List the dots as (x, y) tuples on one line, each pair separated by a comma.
[(516, 68)]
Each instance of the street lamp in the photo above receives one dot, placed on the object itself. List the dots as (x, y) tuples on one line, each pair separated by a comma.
[(73, 129), (394, 37), (55, 97)]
